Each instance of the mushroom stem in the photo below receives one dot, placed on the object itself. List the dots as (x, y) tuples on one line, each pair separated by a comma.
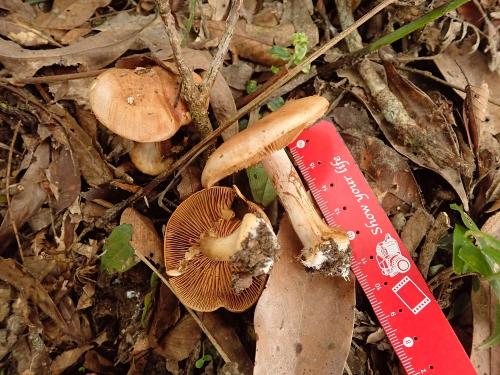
[(251, 247), (326, 248)]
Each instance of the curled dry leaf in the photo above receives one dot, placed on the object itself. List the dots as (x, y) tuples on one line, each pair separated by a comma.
[(26, 203), (388, 172), (463, 68), (303, 322), (474, 112), (68, 14), (167, 313), (16, 275), (90, 53), (430, 141), (145, 239)]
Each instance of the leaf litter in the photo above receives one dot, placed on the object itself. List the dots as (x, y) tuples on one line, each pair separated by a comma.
[(74, 294)]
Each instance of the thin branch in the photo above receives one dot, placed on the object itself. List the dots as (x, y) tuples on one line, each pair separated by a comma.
[(7, 193), (175, 42), (218, 60), (57, 77)]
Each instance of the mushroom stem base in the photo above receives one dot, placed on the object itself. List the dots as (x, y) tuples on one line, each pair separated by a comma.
[(328, 258)]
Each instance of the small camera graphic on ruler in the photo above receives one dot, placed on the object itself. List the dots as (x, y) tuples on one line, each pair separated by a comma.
[(389, 257)]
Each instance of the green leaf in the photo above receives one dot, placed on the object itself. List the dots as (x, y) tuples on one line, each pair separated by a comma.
[(494, 339), (118, 255), (251, 86), (465, 218), (146, 308), (275, 69), (458, 241), (280, 53), (207, 357), (262, 189), (475, 260), (275, 103), (199, 363)]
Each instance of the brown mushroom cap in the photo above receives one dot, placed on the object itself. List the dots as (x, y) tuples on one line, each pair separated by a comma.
[(206, 284), (271, 133), (140, 104)]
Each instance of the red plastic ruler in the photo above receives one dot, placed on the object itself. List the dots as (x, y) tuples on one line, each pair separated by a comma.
[(415, 325)]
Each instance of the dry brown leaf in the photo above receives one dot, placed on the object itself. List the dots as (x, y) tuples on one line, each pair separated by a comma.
[(166, 314), (474, 112), (246, 45), (68, 14), (388, 173), (92, 166), (63, 175), (31, 354), (228, 340), (179, 342), (90, 53), (26, 203), (190, 182), (145, 239), (97, 363), (416, 228), (15, 274), (438, 230), (432, 143), (303, 322), (67, 359), (462, 68)]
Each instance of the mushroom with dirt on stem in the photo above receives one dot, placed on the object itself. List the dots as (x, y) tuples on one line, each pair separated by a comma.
[(326, 249), (141, 105), (218, 247)]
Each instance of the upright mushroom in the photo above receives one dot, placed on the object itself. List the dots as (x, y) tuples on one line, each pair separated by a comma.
[(140, 105), (218, 248), (326, 249)]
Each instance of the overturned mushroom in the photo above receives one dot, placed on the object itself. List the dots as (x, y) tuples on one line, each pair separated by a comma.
[(214, 257), (326, 249), (140, 105)]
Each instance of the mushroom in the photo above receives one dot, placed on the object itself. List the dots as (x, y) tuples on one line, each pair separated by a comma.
[(140, 105), (326, 249), (214, 257)]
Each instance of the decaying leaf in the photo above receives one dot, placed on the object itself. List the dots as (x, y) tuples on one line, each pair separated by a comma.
[(68, 14), (166, 314), (145, 239), (190, 182), (15, 274), (90, 53), (416, 228), (303, 322), (27, 202), (22, 33), (179, 342), (475, 105)]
